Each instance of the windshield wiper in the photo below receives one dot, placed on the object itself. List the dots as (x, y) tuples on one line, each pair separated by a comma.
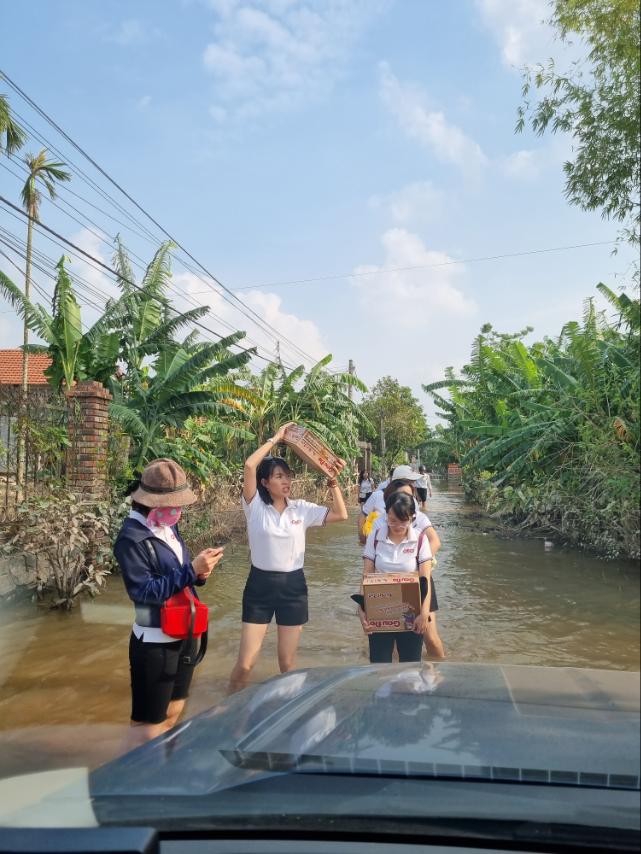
[(350, 766)]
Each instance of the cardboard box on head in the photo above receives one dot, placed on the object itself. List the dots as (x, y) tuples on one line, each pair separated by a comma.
[(392, 600), (311, 449)]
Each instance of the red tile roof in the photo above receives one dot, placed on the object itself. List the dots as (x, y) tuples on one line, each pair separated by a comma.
[(11, 367)]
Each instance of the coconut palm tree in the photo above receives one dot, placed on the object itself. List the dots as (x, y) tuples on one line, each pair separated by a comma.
[(12, 136), (45, 173)]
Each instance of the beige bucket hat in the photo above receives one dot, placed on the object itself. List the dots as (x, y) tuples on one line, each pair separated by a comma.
[(163, 484)]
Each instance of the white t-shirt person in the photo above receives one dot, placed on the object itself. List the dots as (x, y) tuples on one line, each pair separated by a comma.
[(424, 482), (277, 540), (388, 556), (365, 487)]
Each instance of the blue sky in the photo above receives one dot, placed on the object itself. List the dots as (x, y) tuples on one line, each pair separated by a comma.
[(289, 140)]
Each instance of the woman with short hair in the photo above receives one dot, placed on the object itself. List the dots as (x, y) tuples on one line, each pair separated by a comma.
[(276, 527)]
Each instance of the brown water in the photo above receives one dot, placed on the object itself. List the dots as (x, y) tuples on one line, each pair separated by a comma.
[(64, 689)]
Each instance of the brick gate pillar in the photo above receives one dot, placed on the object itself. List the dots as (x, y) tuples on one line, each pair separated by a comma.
[(88, 430)]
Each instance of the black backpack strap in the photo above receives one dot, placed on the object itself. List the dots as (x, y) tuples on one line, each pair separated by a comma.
[(153, 556)]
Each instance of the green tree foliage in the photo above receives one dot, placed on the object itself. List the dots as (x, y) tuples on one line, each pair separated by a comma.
[(548, 434), (317, 399), (397, 419), (597, 103), (74, 355), (173, 390), (12, 136)]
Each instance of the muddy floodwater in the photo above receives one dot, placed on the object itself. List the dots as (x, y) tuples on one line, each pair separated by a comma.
[(64, 680)]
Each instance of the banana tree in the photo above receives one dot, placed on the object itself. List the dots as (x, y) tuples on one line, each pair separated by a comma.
[(75, 355), (175, 389)]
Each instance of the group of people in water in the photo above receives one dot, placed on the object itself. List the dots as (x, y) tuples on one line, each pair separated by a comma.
[(155, 563)]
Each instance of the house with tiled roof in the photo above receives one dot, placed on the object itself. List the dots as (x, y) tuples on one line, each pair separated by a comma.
[(11, 368)]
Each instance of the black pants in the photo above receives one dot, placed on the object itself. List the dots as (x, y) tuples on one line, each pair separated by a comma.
[(381, 646)]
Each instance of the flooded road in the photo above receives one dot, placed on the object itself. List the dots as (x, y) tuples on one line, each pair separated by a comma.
[(64, 680)]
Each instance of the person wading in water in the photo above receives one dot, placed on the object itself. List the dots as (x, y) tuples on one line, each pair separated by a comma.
[(276, 526)]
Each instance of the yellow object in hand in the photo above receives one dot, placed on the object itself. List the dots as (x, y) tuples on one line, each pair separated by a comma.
[(369, 522)]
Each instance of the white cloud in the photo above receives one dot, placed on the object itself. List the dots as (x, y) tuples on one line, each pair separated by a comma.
[(269, 307), (519, 28), (416, 202), (420, 294), (447, 142), (279, 53), (524, 165)]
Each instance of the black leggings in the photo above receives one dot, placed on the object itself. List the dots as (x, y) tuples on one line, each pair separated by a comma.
[(381, 646)]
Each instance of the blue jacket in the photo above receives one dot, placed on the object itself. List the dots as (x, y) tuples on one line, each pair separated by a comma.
[(146, 587)]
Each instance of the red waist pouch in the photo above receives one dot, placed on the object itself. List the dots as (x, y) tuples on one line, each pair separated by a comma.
[(184, 616)]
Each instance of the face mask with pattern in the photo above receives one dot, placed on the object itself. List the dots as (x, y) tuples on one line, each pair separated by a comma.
[(161, 517)]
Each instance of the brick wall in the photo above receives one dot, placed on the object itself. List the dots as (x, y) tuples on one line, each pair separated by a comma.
[(88, 438), (454, 472)]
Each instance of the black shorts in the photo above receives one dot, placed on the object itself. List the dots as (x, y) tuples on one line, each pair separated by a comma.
[(422, 494), (381, 646), (282, 593), (159, 675), (363, 498)]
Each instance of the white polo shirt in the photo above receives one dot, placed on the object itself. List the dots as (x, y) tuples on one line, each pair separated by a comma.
[(396, 557), (277, 540)]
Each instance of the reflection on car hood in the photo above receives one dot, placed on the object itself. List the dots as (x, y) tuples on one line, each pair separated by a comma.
[(489, 722)]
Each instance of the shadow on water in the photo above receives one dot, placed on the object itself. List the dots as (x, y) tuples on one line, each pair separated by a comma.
[(64, 680)]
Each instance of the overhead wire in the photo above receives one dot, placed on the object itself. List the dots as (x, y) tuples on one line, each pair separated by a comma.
[(385, 270), (97, 263), (228, 295), (188, 297)]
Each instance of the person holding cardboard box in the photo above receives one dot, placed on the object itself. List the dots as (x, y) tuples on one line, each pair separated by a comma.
[(396, 547), (276, 526), (421, 523)]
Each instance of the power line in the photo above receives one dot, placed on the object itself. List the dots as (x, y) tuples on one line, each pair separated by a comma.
[(113, 272), (384, 270), (264, 325), (188, 297), (140, 263)]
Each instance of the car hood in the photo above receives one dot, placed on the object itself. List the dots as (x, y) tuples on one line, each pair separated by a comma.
[(509, 723), (383, 740)]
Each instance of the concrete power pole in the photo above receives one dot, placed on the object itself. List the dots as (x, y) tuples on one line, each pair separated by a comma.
[(351, 370)]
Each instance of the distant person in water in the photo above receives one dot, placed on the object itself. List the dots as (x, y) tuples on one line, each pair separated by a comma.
[(365, 487), (423, 487), (276, 526)]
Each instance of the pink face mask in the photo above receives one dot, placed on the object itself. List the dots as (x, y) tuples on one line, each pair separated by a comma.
[(161, 517)]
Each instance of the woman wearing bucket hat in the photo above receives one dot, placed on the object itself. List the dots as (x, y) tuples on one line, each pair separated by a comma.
[(276, 528), (155, 566)]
